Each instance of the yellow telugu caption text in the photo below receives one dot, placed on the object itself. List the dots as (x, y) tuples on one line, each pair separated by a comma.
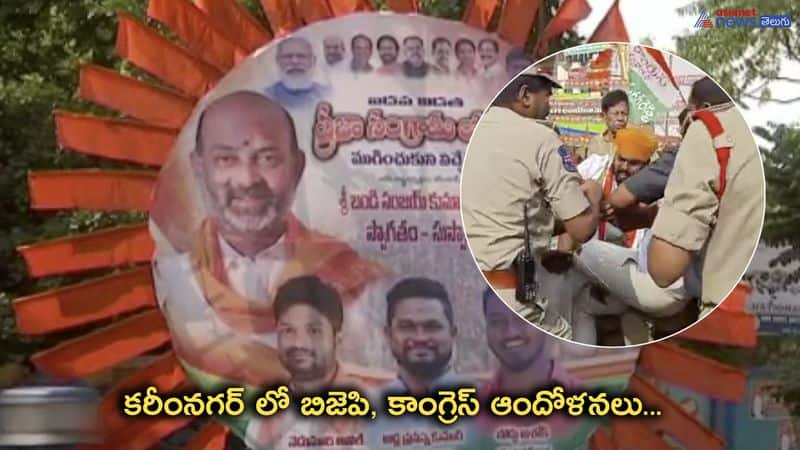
[(447, 406)]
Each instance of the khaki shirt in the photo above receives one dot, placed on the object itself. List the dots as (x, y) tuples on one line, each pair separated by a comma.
[(601, 144), (512, 160), (723, 235)]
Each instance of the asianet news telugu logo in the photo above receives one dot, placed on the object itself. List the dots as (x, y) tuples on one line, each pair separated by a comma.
[(741, 18)]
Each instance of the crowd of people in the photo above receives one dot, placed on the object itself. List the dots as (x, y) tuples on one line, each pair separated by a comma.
[(631, 244)]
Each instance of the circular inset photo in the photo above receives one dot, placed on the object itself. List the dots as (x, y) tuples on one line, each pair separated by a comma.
[(612, 194)]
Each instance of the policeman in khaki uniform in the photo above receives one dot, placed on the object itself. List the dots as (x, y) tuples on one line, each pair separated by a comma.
[(513, 161), (614, 106), (712, 212)]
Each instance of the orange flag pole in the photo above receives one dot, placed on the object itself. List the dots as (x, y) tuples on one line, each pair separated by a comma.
[(478, 13), (134, 98), (112, 247), (403, 6), (235, 23), (677, 366), (94, 189), (674, 420), (212, 436), (156, 55), (282, 16), (570, 13), (117, 139), (195, 29), (85, 303), (516, 21), (104, 348)]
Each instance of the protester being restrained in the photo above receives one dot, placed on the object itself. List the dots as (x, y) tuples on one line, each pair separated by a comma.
[(631, 204), (615, 260), (633, 148)]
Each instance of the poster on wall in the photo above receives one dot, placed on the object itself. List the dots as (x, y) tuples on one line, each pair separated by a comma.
[(774, 297), (763, 403), (308, 235)]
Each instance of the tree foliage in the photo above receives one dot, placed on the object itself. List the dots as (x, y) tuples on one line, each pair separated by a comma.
[(781, 166), (743, 60), (44, 42), (746, 62)]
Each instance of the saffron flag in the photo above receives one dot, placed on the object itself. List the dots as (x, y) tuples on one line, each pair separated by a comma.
[(611, 28)]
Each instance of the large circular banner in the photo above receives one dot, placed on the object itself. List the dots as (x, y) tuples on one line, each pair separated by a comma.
[(308, 235)]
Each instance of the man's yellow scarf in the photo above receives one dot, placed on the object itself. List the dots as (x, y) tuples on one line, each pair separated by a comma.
[(608, 187)]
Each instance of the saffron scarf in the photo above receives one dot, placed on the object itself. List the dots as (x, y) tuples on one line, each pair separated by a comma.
[(309, 253), (608, 185)]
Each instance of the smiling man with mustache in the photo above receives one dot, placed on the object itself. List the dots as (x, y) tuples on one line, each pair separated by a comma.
[(309, 317), (526, 366), (421, 333), (521, 349)]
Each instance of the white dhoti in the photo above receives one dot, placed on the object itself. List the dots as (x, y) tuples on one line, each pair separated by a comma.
[(630, 292), (615, 268)]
